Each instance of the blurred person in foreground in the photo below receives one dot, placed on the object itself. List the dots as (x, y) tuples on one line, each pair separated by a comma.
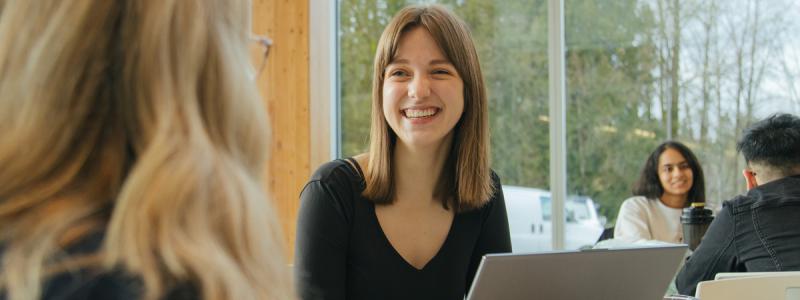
[(758, 231), (132, 146)]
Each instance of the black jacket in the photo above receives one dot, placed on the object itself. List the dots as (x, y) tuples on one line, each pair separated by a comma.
[(755, 232)]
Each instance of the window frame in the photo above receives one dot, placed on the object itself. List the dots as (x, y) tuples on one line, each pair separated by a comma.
[(324, 77)]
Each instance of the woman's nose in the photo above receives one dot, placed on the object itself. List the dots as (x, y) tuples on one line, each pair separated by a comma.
[(419, 87)]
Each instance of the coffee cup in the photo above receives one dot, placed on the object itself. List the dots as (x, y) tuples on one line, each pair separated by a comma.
[(695, 220)]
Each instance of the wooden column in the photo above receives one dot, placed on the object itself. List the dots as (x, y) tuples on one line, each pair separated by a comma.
[(285, 89)]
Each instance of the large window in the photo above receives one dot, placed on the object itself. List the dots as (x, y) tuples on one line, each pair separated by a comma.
[(643, 71), (638, 72)]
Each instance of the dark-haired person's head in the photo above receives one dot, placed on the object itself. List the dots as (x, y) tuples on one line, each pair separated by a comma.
[(771, 148), (671, 168)]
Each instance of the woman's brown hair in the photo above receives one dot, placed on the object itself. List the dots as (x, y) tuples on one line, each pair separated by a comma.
[(466, 175)]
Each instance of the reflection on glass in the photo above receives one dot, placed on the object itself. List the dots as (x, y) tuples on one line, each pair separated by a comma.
[(547, 208)]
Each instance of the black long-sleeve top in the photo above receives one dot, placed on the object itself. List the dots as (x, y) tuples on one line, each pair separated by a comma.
[(342, 252), (98, 283)]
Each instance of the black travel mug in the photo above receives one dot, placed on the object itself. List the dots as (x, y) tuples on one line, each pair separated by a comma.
[(695, 220)]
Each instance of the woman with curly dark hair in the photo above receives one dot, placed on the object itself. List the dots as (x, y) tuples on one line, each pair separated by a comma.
[(670, 180)]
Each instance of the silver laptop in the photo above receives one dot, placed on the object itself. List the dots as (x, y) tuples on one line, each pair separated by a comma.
[(619, 274), (729, 275)]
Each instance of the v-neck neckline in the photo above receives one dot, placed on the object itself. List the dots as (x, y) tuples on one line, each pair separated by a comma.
[(397, 254), (387, 243)]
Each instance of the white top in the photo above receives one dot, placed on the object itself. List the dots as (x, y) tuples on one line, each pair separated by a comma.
[(640, 219)]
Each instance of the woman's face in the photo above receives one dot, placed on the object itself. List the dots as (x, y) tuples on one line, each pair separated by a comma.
[(674, 172), (423, 95)]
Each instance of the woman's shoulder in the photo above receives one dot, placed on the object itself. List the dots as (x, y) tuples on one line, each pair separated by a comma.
[(341, 179), (328, 169), (495, 178), (497, 196), (636, 202), (97, 282), (93, 284), (338, 171), (91, 281)]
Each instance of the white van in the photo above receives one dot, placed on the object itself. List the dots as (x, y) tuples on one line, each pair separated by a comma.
[(529, 219)]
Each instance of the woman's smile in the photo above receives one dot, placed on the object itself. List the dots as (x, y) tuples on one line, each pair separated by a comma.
[(420, 116)]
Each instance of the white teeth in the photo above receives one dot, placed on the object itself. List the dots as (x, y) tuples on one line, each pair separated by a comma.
[(420, 113)]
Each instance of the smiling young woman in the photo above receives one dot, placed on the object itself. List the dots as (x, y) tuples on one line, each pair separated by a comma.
[(670, 180), (426, 207)]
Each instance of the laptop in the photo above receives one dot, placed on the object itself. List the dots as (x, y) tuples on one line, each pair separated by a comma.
[(619, 274), (729, 275)]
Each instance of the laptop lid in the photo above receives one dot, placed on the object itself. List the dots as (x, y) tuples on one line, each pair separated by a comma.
[(619, 274), (729, 275)]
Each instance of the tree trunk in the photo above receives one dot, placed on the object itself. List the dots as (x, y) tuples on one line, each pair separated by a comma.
[(675, 70)]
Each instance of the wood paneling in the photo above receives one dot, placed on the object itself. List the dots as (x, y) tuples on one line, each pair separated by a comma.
[(285, 90)]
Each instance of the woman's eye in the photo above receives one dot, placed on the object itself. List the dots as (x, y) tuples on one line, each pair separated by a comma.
[(441, 72), (398, 73)]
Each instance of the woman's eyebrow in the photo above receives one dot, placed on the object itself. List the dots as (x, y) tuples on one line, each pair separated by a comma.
[(440, 62), (675, 164), (432, 62), (398, 61)]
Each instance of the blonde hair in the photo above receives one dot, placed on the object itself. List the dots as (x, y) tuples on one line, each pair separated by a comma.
[(466, 175), (135, 117)]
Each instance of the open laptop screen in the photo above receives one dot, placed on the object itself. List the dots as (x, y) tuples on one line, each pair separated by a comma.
[(625, 273)]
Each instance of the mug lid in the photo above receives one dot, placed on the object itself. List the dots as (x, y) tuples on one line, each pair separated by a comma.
[(698, 204)]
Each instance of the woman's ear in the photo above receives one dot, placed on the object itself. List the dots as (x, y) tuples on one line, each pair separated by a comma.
[(750, 177)]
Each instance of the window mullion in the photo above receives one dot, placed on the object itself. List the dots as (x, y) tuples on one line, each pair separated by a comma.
[(558, 128)]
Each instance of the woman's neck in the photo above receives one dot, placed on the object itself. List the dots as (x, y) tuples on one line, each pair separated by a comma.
[(673, 201), (417, 171)]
